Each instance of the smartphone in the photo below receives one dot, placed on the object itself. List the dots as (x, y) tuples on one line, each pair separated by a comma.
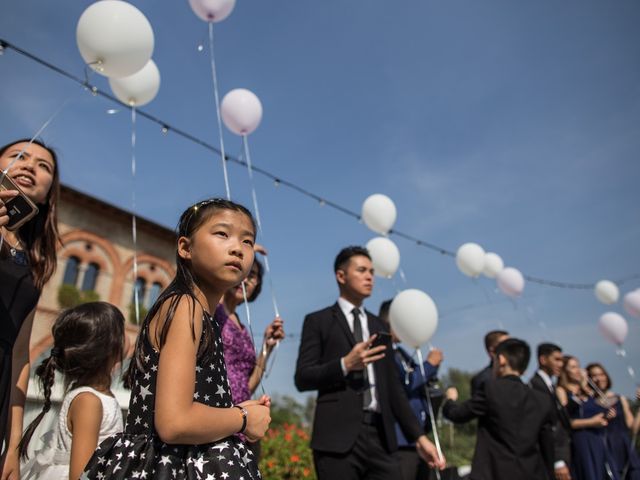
[(383, 338), (19, 208)]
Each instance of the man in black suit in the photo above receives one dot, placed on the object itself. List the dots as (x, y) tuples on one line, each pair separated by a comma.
[(515, 426), (491, 341), (549, 366), (359, 394)]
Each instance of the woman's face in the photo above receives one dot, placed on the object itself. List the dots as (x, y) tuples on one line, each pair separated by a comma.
[(599, 377), (250, 284), (32, 172), (573, 370)]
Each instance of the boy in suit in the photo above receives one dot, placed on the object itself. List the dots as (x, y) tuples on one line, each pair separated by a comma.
[(515, 423)]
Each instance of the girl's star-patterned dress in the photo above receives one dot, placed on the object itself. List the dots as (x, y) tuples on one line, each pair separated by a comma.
[(138, 452)]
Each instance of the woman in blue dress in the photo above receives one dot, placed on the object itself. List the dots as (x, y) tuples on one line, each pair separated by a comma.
[(590, 458), (619, 429)]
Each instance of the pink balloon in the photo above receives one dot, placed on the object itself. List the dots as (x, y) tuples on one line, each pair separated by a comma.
[(510, 281), (613, 327), (212, 10), (632, 303)]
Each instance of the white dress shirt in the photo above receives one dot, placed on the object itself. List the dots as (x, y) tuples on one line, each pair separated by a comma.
[(347, 308)]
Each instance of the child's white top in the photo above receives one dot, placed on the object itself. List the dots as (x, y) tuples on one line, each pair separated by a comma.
[(52, 461)]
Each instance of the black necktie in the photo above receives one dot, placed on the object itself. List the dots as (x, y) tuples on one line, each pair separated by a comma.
[(357, 334)]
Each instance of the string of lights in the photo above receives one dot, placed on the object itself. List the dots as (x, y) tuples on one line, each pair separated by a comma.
[(323, 201)]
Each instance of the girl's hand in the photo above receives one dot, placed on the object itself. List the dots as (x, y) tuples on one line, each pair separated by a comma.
[(258, 418), (274, 332), (611, 413), (11, 467), (4, 214), (598, 421)]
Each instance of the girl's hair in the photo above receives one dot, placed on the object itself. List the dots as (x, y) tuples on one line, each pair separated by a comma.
[(183, 284), (40, 234), (87, 343), (259, 275), (593, 365), (564, 381)]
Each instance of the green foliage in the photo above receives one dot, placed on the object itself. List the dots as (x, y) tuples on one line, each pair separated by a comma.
[(69, 296), (142, 311), (285, 447)]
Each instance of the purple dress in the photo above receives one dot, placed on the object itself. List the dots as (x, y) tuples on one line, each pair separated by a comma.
[(239, 355)]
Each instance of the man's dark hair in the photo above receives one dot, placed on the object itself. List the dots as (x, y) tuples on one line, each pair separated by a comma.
[(491, 339), (346, 253), (384, 311), (516, 352), (546, 349)]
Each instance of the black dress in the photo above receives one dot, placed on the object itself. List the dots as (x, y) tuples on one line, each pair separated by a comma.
[(139, 452), (18, 297)]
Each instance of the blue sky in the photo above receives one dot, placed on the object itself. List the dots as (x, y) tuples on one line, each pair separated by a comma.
[(511, 124)]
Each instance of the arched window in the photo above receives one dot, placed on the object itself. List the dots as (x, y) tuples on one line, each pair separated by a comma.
[(71, 271), (154, 292), (141, 287), (90, 277)]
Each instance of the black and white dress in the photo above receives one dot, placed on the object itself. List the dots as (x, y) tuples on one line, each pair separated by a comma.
[(139, 452)]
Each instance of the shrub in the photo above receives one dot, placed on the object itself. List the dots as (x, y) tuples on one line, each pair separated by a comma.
[(69, 296), (286, 453)]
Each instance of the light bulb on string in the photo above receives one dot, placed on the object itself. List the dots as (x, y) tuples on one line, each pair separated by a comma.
[(165, 130), (112, 111), (276, 183), (322, 202), (200, 47)]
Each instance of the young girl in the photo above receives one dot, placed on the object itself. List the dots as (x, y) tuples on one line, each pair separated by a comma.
[(181, 421), (88, 341)]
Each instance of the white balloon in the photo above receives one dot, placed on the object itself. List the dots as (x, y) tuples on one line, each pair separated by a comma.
[(114, 38), (212, 10), (470, 259), (613, 327), (241, 111), (511, 282), (414, 317), (493, 265), (631, 303), (607, 292), (385, 256), (379, 213), (137, 89)]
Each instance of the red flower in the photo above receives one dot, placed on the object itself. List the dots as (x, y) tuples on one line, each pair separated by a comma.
[(295, 458)]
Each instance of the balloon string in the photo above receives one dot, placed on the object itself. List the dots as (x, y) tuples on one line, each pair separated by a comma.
[(245, 144), (250, 326), (402, 275), (214, 76), (134, 229), (430, 405)]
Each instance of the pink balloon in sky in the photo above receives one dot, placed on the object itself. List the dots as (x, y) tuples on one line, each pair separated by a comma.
[(613, 327)]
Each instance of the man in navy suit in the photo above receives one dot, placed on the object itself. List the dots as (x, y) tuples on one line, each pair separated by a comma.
[(414, 384), (359, 395)]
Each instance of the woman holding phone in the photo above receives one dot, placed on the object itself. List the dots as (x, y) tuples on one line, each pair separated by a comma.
[(27, 262)]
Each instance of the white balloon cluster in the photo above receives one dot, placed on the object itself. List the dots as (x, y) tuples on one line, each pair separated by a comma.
[(116, 40), (379, 214), (607, 292), (414, 317)]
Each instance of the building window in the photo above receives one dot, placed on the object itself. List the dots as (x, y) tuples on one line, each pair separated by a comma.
[(154, 292), (71, 271), (90, 277), (141, 288)]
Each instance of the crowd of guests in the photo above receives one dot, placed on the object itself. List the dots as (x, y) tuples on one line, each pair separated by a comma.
[(194, 375)]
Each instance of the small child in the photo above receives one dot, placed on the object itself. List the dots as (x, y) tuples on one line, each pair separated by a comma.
[(88, 341), (182, 420)]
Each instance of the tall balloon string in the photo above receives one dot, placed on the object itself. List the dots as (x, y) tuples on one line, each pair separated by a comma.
[(432, 417), (250, 327), (214, 77), (134, 229), (256, 209)]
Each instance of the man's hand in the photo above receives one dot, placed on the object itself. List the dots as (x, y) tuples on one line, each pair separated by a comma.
[(452, 393), (435, 357), (361, 355), (429, 453), (562, 473)]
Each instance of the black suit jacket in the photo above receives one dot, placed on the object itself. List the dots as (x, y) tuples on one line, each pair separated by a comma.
[(326, 337), (562, 424), (480, 378), (515, 431)]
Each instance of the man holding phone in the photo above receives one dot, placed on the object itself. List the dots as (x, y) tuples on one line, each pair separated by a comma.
[(359, 395)]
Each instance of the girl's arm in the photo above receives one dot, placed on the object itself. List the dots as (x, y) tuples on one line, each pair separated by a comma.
[(272, 335), (19, 384), (626, 410), (597, 421), (84, 419), (563, 398), (178, 418)]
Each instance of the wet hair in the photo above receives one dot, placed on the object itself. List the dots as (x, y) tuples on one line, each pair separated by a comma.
[(260, 274), (593, 365), (40, 234), (384, 311), (88, 340), (345, 255), (546, 349), (491, 339), (516, 352), (182, 285)]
